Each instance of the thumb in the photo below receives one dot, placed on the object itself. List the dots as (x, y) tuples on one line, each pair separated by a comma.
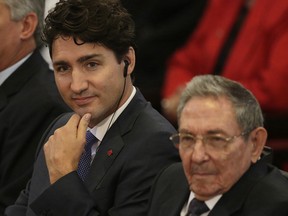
[(83, 125)]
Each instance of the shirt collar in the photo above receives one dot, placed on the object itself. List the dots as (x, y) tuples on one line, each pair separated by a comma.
[(210, 203), (8, 71), (100, 129)]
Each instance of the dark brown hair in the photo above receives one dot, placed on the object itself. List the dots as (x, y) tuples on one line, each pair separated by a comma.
[(103, 22)]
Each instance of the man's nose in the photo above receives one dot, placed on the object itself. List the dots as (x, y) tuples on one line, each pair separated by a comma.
[(79, 82), (199, 153)]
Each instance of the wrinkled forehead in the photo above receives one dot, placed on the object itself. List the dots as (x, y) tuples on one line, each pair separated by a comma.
[(205, 113)]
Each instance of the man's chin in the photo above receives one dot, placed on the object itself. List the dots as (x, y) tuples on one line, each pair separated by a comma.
[(81, 112)]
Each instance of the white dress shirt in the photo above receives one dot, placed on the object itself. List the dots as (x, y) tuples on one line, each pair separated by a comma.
[(8, 71), (100, 129), (210, 204)]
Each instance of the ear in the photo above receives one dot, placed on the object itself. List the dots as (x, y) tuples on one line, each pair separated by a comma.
[(29, 24), (130, 57), (258, 139)]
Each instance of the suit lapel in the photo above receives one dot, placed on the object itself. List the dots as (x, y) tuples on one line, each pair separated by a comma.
[(174, 199), (234, 199), (18, 78), (112, 143), (174, 203), (108, 152), (3, 99)]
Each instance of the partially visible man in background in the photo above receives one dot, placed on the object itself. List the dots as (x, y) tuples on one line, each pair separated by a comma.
[(29, 100)]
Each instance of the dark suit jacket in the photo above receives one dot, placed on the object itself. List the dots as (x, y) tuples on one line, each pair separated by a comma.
[(261, 191), (29, 102), (118, 184)]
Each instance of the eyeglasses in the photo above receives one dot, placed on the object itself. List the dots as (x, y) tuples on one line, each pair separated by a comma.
[(187, 141)]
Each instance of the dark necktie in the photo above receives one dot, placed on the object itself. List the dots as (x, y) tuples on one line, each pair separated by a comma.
[(196, 208), (85, 160)]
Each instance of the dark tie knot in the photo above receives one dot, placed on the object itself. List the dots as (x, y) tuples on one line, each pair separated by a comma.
[(90, 138), (197, 207)]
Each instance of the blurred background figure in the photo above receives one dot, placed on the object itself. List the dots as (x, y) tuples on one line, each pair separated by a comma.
[(246, 41), (29, 100), (161, 27)]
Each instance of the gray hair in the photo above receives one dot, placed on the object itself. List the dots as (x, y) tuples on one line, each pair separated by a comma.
[(247, 109), (20, 8)]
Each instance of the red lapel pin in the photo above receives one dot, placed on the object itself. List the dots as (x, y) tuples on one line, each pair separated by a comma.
[(109, 152)]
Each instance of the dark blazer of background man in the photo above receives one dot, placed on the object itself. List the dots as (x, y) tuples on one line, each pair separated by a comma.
[(29, 99)]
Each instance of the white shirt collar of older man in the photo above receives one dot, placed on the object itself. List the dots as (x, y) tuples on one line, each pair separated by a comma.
[(100, 129), (210, 203), (8, 71)]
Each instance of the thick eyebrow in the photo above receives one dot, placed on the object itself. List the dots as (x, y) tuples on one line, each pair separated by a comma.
[(87, 57), (80, 60), (216, 131), (59, 63), (209, 132)]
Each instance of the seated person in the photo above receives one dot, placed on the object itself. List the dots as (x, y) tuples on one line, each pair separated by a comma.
[(220, 141), (29, 99), (111, 171)]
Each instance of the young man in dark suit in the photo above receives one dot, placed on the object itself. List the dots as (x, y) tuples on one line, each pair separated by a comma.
[(29, 99), (92, 49), (220, 140)]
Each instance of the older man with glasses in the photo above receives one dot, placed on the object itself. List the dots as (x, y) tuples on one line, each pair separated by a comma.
[(223, 172)]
